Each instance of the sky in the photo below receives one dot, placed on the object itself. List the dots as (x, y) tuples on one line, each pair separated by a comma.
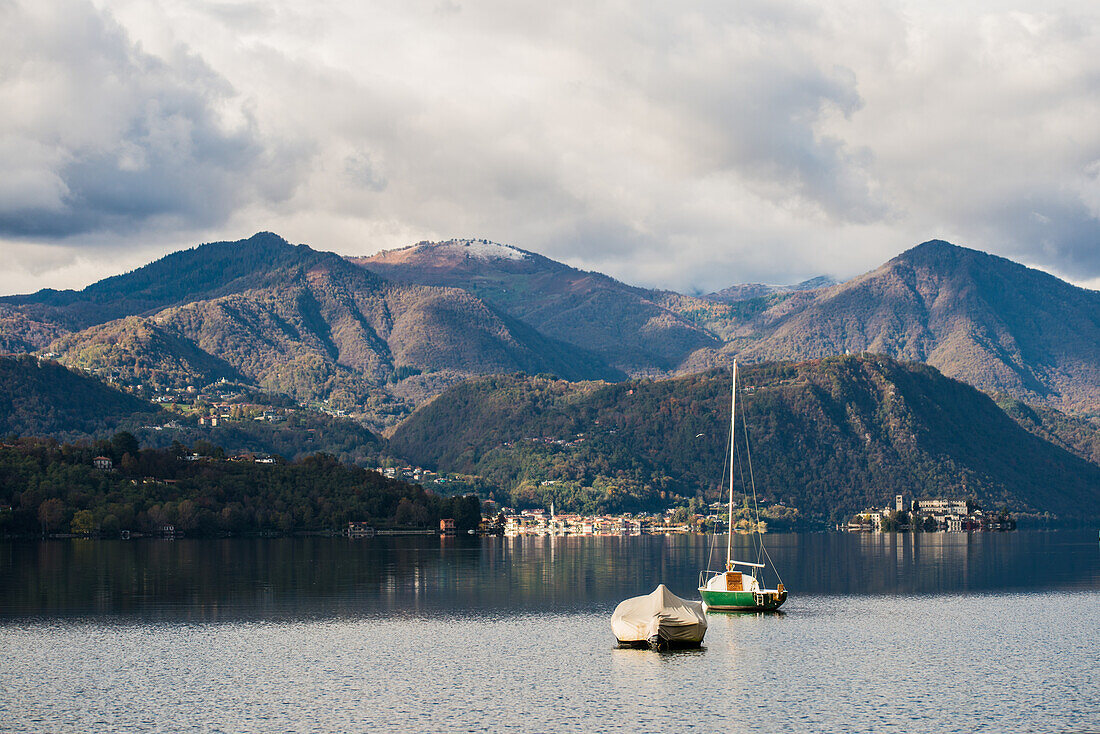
[(687, 145)]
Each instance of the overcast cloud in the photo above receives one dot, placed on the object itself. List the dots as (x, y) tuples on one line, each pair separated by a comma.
[(688, 147)]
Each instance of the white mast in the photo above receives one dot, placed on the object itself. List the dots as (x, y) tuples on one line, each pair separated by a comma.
[(733, 425)]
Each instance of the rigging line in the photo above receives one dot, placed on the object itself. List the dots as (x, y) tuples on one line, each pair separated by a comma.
[(755, 536), (740, 473), (725, 457), (763, 549), (752, 479), (745, 486), (772, 565)]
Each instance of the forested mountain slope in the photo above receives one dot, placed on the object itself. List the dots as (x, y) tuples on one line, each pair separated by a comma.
[(828, 437), (1077, 434), (44, 399), (39, 398)]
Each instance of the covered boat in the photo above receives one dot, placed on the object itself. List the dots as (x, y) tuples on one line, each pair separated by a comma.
[(660, 620)]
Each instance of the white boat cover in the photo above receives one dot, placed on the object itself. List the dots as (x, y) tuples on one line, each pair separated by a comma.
[(661, 614)]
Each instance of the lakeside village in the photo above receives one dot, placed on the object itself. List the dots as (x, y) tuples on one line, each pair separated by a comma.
[(923, 515), (926, 515), (511, 523), (920, 515)]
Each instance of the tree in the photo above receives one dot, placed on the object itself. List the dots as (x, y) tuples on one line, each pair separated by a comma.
[(83, 523), (50, 514), (123, 443), (421, 517), (467, 512), (129, 464), (404, 513), (111, 526)]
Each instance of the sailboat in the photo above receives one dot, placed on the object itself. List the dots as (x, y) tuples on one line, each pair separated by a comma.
[(737, 589)]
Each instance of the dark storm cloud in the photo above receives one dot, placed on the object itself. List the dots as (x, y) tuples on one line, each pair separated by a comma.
[(119, 139), (1053, 230), (681, 145)]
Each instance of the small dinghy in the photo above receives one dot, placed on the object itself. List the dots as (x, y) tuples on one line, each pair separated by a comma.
[(660, 620)]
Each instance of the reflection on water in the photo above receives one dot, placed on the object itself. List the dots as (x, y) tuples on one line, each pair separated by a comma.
[(206, 580), (937, 633)]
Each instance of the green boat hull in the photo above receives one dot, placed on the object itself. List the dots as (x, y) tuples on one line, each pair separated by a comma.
[(742, 601)]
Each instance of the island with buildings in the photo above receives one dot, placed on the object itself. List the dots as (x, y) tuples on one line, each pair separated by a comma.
[(930, 515)]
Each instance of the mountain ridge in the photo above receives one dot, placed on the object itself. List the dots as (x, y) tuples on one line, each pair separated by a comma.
[(293, 320), (829, 437), (623, 324), (984, 319), (378, 335), (176, 278)]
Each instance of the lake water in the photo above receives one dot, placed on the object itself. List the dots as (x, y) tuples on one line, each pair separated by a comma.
[(939, 632)]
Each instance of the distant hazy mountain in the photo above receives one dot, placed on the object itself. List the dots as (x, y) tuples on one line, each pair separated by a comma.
[(982, 319), (829, 437), (624, 325), (745, 291)]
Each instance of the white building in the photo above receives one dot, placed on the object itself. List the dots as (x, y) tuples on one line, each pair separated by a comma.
[(943, 507)]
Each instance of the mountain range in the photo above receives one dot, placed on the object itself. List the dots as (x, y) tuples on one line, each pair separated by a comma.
[(377, 336), (626, 326), (988, 321), (291, 320)]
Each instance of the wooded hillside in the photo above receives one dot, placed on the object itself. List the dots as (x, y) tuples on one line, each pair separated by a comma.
[(828, 437)]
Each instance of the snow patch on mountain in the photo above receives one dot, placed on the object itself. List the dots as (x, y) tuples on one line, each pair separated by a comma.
[(482, 250)]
